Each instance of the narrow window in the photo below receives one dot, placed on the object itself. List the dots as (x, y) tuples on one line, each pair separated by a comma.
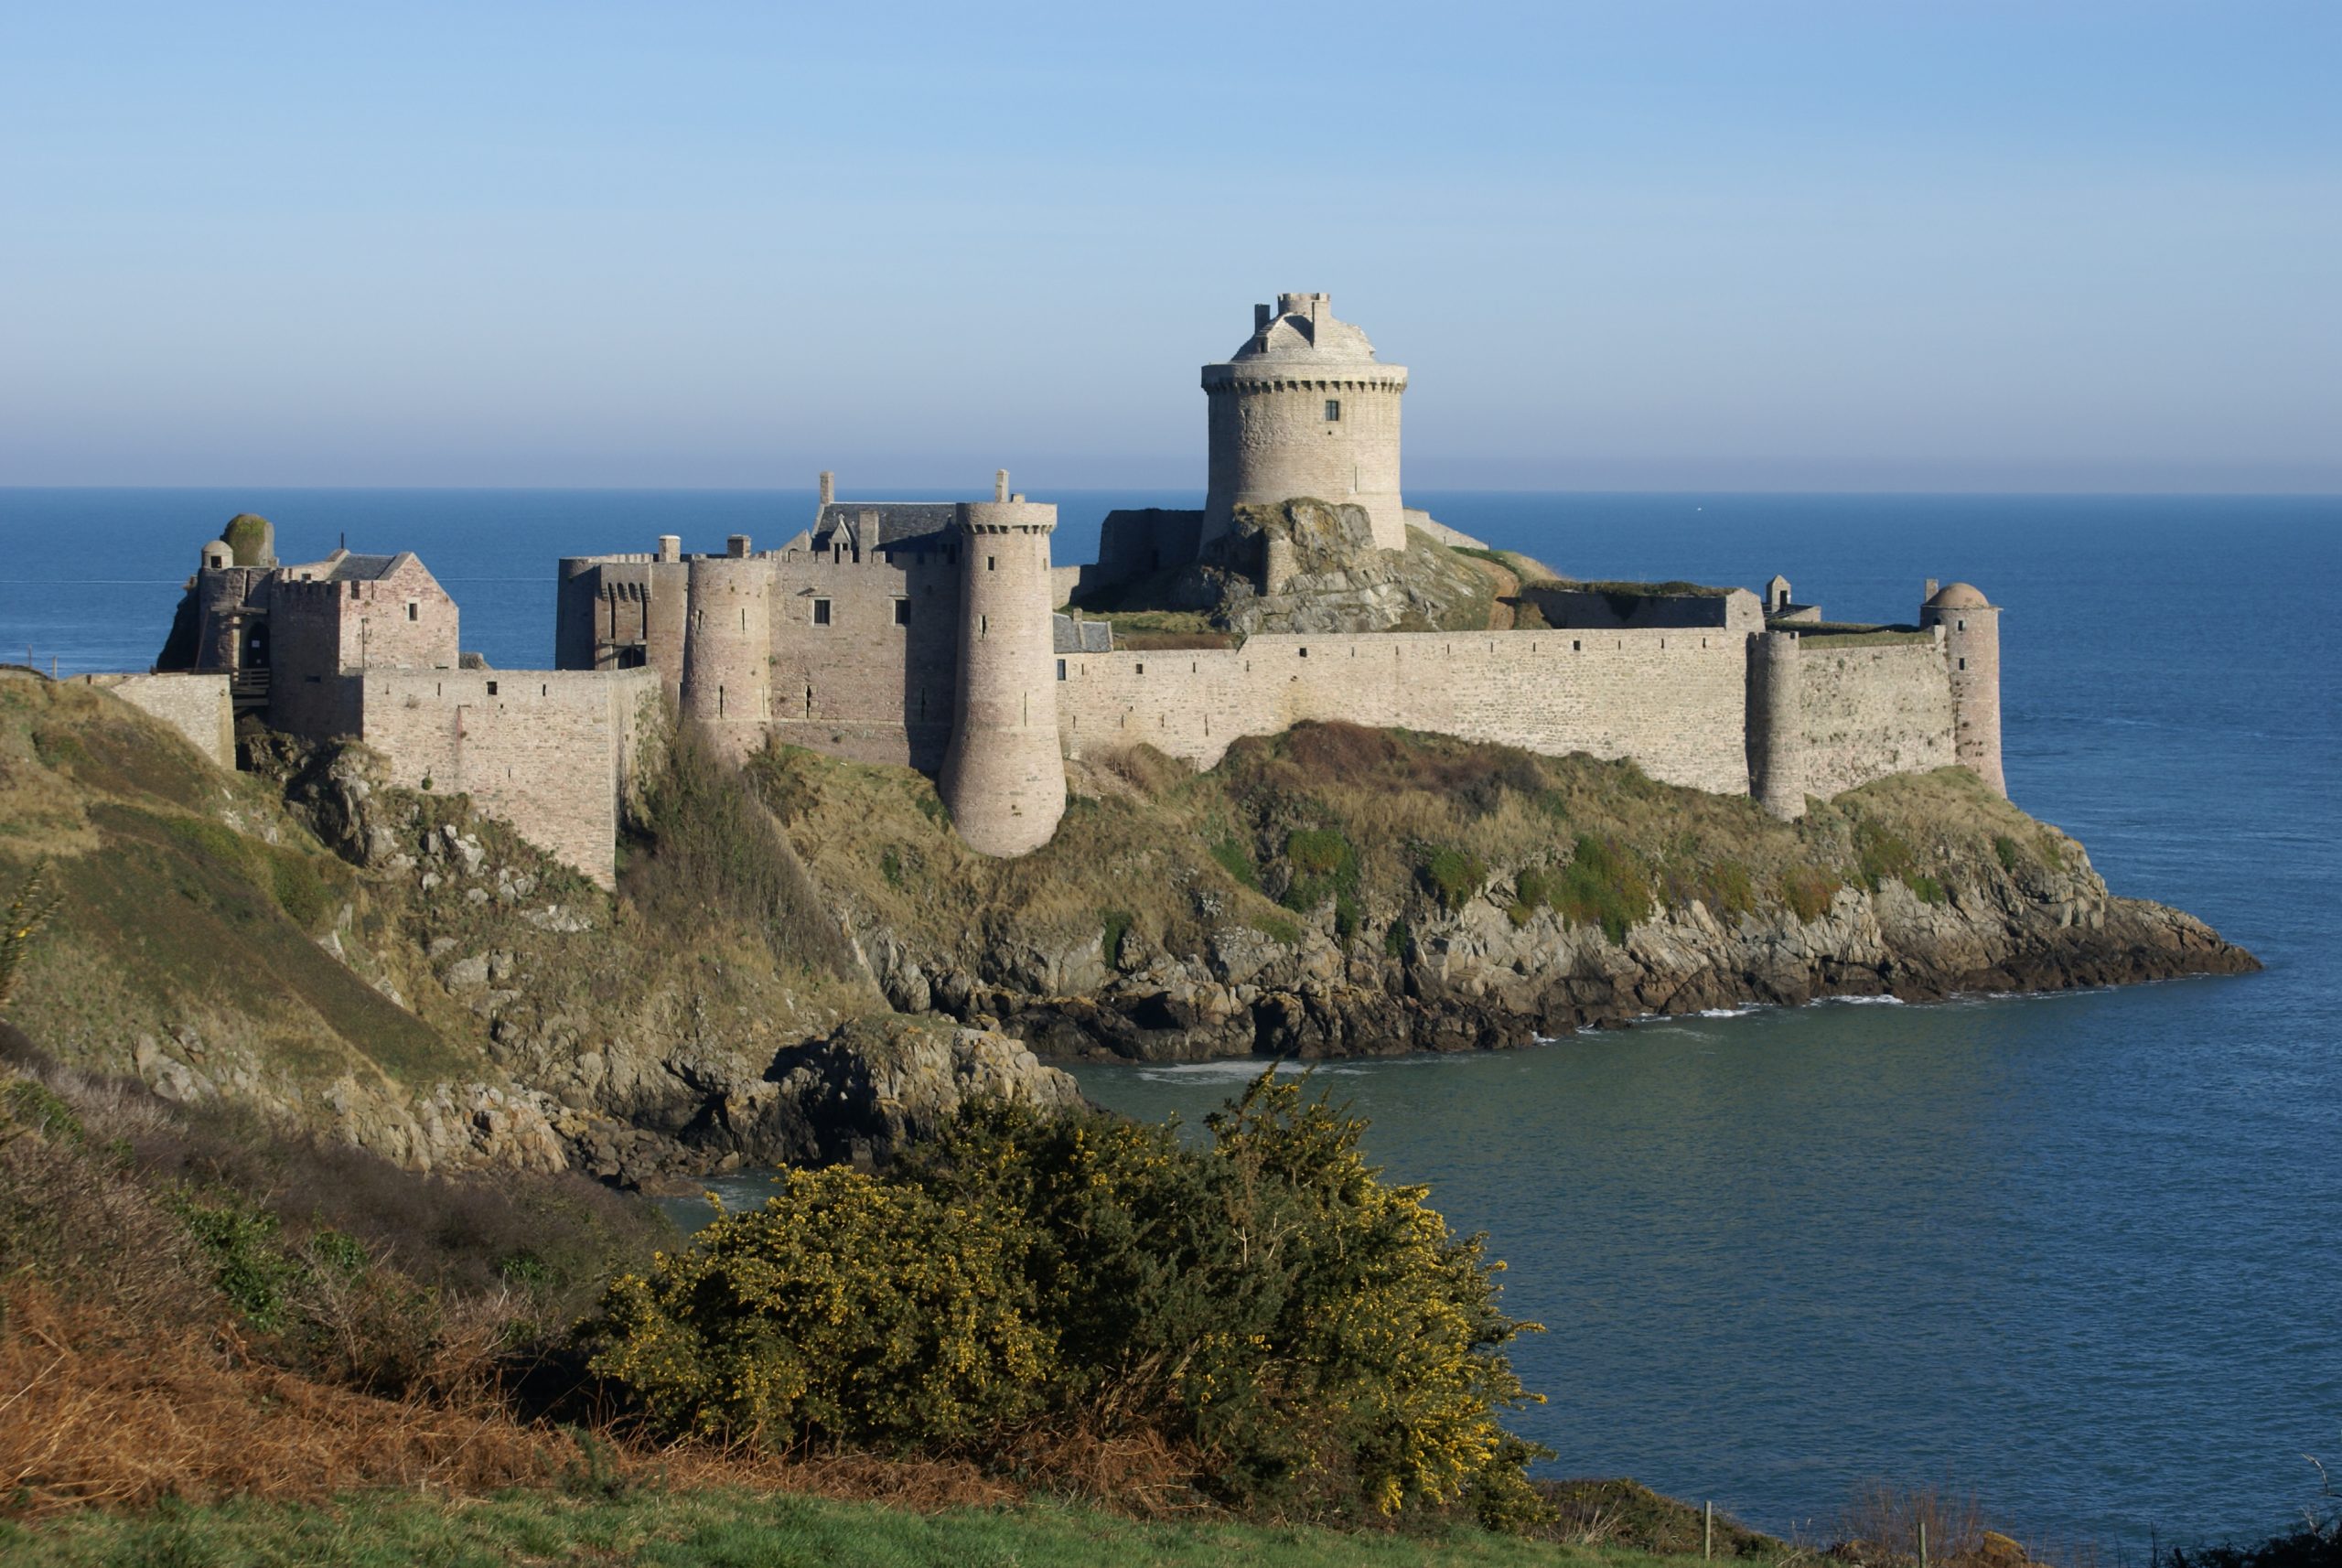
[(1060, 668), (719, 701), (491, 688), (1333, 410), (821, 613), (1963, 665), (902, 612), (983, 626), (991, 562), (414, 610), (1960, 624), (544, 689), (744, 618), (1142, 669)]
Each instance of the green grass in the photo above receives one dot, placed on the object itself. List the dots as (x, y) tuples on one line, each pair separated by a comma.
[(1847, 634), (730, 1529)]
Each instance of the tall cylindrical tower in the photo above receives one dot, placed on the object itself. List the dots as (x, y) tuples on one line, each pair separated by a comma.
[(1304, 410), (1775, 726), (1003, 777), (728, 648), (1972, 636)]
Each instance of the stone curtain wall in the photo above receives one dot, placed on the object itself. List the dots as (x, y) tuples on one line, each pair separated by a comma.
[(549, 751), (1870, 712), (863, 686), (1675, 702), (197, 705)]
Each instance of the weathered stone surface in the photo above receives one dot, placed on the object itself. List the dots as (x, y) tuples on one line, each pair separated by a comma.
[(1476, 980)]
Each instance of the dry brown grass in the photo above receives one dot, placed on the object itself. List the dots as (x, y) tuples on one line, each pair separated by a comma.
[(97, 1410), (1882, 1519)]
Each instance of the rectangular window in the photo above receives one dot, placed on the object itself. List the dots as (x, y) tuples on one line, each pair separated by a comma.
[(902, 612), (491, 688), (414, 610), (1963, 665), (1333, 410), (991, 562), (821, 612), (1060, 668)]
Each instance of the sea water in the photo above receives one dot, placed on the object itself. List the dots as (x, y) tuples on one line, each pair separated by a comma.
[(2081, 1254)]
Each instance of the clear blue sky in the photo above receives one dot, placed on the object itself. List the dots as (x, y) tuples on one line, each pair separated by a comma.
[(1769, 244)]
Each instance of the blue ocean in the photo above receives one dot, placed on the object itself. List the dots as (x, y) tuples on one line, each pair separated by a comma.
[(2078, 1254)]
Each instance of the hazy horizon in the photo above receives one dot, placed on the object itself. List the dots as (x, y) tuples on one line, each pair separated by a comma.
[(1692, 247)]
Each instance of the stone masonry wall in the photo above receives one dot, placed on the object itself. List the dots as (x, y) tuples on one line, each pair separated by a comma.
[(1872, 711), (549, 751), (1674, 701), (882, 686), (197, 705)]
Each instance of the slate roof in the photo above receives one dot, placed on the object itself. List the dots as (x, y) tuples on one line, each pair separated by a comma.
[(361, 568), (909, 523), (1068, 635)]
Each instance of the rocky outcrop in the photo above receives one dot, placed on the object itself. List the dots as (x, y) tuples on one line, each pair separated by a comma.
[(1308, 566), (874, 1088), (1494, 974)]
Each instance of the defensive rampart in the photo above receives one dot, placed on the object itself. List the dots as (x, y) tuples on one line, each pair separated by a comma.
[(1870, 710), (551, 752), (1676, 702), (197, 705)]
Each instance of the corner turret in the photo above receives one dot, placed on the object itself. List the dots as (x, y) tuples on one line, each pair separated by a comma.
[(727, 645), (1971, 635), (1004, 777)]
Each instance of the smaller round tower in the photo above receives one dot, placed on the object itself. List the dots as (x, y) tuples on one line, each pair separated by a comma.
[(1004, 777), (1775, 726), (727, 648), (1971, 637)]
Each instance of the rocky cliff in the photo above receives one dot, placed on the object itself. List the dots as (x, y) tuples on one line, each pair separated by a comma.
[(393, 970), (1338, 892)]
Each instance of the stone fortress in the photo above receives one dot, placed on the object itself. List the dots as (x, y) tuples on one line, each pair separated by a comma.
[(940, 636)]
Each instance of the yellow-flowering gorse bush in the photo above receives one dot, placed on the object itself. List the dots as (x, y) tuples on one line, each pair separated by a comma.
[(846, 1309), (1316, 1337)]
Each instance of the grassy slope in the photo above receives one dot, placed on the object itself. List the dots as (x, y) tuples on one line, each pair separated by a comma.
[(720, 1527), (192, 900)]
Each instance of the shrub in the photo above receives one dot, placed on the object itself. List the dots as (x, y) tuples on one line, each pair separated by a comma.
[(301, 892), (1315, 1336), (1118, 925), (1603, 886), (891, 866), (1881, 854), (844, 1310), (1453, 877), (1236, 860), (2005, 848), (1399, 938), (1808, 890), (1324, 866), (1927, 888)]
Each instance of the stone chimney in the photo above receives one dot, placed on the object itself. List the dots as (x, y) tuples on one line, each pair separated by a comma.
[(1000, 484), (829, 486), (736, 546)]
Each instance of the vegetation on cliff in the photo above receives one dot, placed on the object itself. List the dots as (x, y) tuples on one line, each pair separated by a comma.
[(1337, 889)]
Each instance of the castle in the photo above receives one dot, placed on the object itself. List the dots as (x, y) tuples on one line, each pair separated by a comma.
[(938, 636)]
